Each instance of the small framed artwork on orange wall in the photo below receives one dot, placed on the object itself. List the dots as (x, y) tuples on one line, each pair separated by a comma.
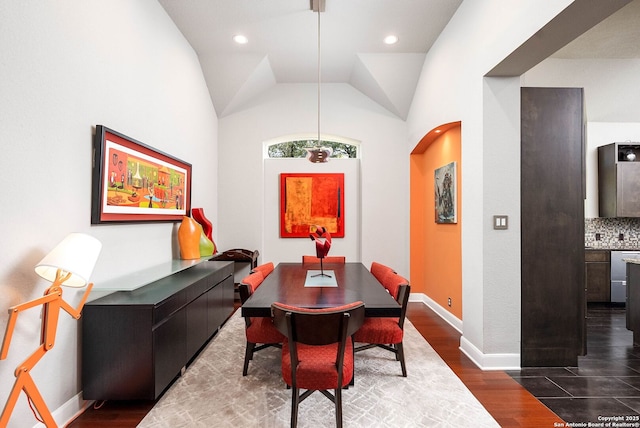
[(445, 193)]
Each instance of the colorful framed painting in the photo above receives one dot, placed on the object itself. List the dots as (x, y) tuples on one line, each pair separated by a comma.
[(445, 194), (311, 199), (132, 182)]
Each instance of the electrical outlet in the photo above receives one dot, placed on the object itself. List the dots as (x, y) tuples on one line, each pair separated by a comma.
[(449, 301)]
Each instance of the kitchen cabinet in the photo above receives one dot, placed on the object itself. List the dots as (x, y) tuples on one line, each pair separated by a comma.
[(598, 275), (134, 343), (618, 180)]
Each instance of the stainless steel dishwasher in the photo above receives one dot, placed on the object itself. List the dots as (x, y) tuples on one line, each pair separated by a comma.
[(619, 274)]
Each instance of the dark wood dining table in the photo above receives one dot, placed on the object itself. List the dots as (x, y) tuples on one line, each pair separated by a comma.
[(286, 284)]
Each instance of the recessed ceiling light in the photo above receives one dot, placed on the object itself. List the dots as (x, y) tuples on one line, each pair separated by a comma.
[(240, 39), (391, 40)]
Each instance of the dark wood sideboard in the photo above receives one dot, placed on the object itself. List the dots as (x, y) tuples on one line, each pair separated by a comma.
[(135, 343)]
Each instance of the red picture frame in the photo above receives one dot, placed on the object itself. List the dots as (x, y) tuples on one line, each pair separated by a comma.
[(307, 200), (133, 182)]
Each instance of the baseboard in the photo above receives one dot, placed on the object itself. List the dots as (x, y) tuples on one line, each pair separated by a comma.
[(442, 312), (483, 361), (489, 361), (68, 411)]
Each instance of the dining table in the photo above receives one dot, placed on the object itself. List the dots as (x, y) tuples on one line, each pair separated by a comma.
[(314, 286)]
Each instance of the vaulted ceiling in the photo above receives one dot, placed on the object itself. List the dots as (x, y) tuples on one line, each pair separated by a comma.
[(283, 44)]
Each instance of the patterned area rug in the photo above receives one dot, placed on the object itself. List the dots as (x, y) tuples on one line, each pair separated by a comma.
[(213, 392)]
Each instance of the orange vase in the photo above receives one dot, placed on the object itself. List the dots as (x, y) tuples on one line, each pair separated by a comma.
[(189, 238)]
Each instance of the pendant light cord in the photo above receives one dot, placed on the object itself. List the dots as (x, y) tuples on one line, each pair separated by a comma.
[(318, 142)]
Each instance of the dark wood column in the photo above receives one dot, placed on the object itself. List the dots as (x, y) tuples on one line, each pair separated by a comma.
[(552, 204)]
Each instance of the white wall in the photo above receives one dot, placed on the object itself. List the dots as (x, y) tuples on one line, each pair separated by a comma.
[(611, 97), (610, 85), (452, 88), (65, 67), (291, 249), (246, 186)]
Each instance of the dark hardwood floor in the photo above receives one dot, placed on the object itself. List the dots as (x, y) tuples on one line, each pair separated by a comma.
[(510, 404), (506, 400)]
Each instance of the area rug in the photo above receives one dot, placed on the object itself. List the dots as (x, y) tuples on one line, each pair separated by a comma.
[(213, 393)]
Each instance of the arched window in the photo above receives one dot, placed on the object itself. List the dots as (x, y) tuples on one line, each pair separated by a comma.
[(297, 148)]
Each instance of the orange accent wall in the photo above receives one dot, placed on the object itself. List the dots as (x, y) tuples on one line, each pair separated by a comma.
[(436, 249)]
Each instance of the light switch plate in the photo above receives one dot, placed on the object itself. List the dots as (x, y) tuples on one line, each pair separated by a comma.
[(500, 222)]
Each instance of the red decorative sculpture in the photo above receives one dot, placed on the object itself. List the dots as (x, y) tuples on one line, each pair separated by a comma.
[(322, 247), (207, 228)]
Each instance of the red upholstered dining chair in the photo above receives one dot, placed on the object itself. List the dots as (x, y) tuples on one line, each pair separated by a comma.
[(265, 268), (380, 271), (318, 352), (260, 331), (387, 333), (327, 259)]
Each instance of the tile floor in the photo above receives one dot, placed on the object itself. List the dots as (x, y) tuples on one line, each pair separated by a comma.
[(606, 383)]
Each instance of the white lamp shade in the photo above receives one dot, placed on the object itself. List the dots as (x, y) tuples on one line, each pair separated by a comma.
[(77, 254)]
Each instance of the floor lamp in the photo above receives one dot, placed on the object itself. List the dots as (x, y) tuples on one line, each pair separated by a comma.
[(70, 264)]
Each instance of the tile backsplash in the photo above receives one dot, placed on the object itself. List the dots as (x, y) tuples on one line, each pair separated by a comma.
[(610, 230)]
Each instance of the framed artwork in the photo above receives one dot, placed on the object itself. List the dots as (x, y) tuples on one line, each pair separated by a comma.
[(311, 199), (132, 182), (445, 194)]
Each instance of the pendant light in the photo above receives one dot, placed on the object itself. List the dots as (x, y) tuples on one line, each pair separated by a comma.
[(319, 154)]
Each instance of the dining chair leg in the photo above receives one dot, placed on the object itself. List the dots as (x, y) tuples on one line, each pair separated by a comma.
[(400, 355), (295, 400), (352, 382), (248, 355), (338, 400)]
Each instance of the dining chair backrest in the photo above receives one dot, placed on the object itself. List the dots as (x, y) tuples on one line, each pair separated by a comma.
[(318, 326), (380, 271), (265, 268), (327, 259), (392, 283), (249, 285)]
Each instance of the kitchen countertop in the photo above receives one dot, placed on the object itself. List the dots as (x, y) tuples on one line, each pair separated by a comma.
[(611, 249)]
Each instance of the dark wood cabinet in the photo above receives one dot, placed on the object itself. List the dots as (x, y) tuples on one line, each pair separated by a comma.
[(598, 275), (618, 180), (553, 303), (633, 301), (198, 330), (134, 343)]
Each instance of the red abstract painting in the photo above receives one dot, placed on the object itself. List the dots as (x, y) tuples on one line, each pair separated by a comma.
[(311, 199)]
